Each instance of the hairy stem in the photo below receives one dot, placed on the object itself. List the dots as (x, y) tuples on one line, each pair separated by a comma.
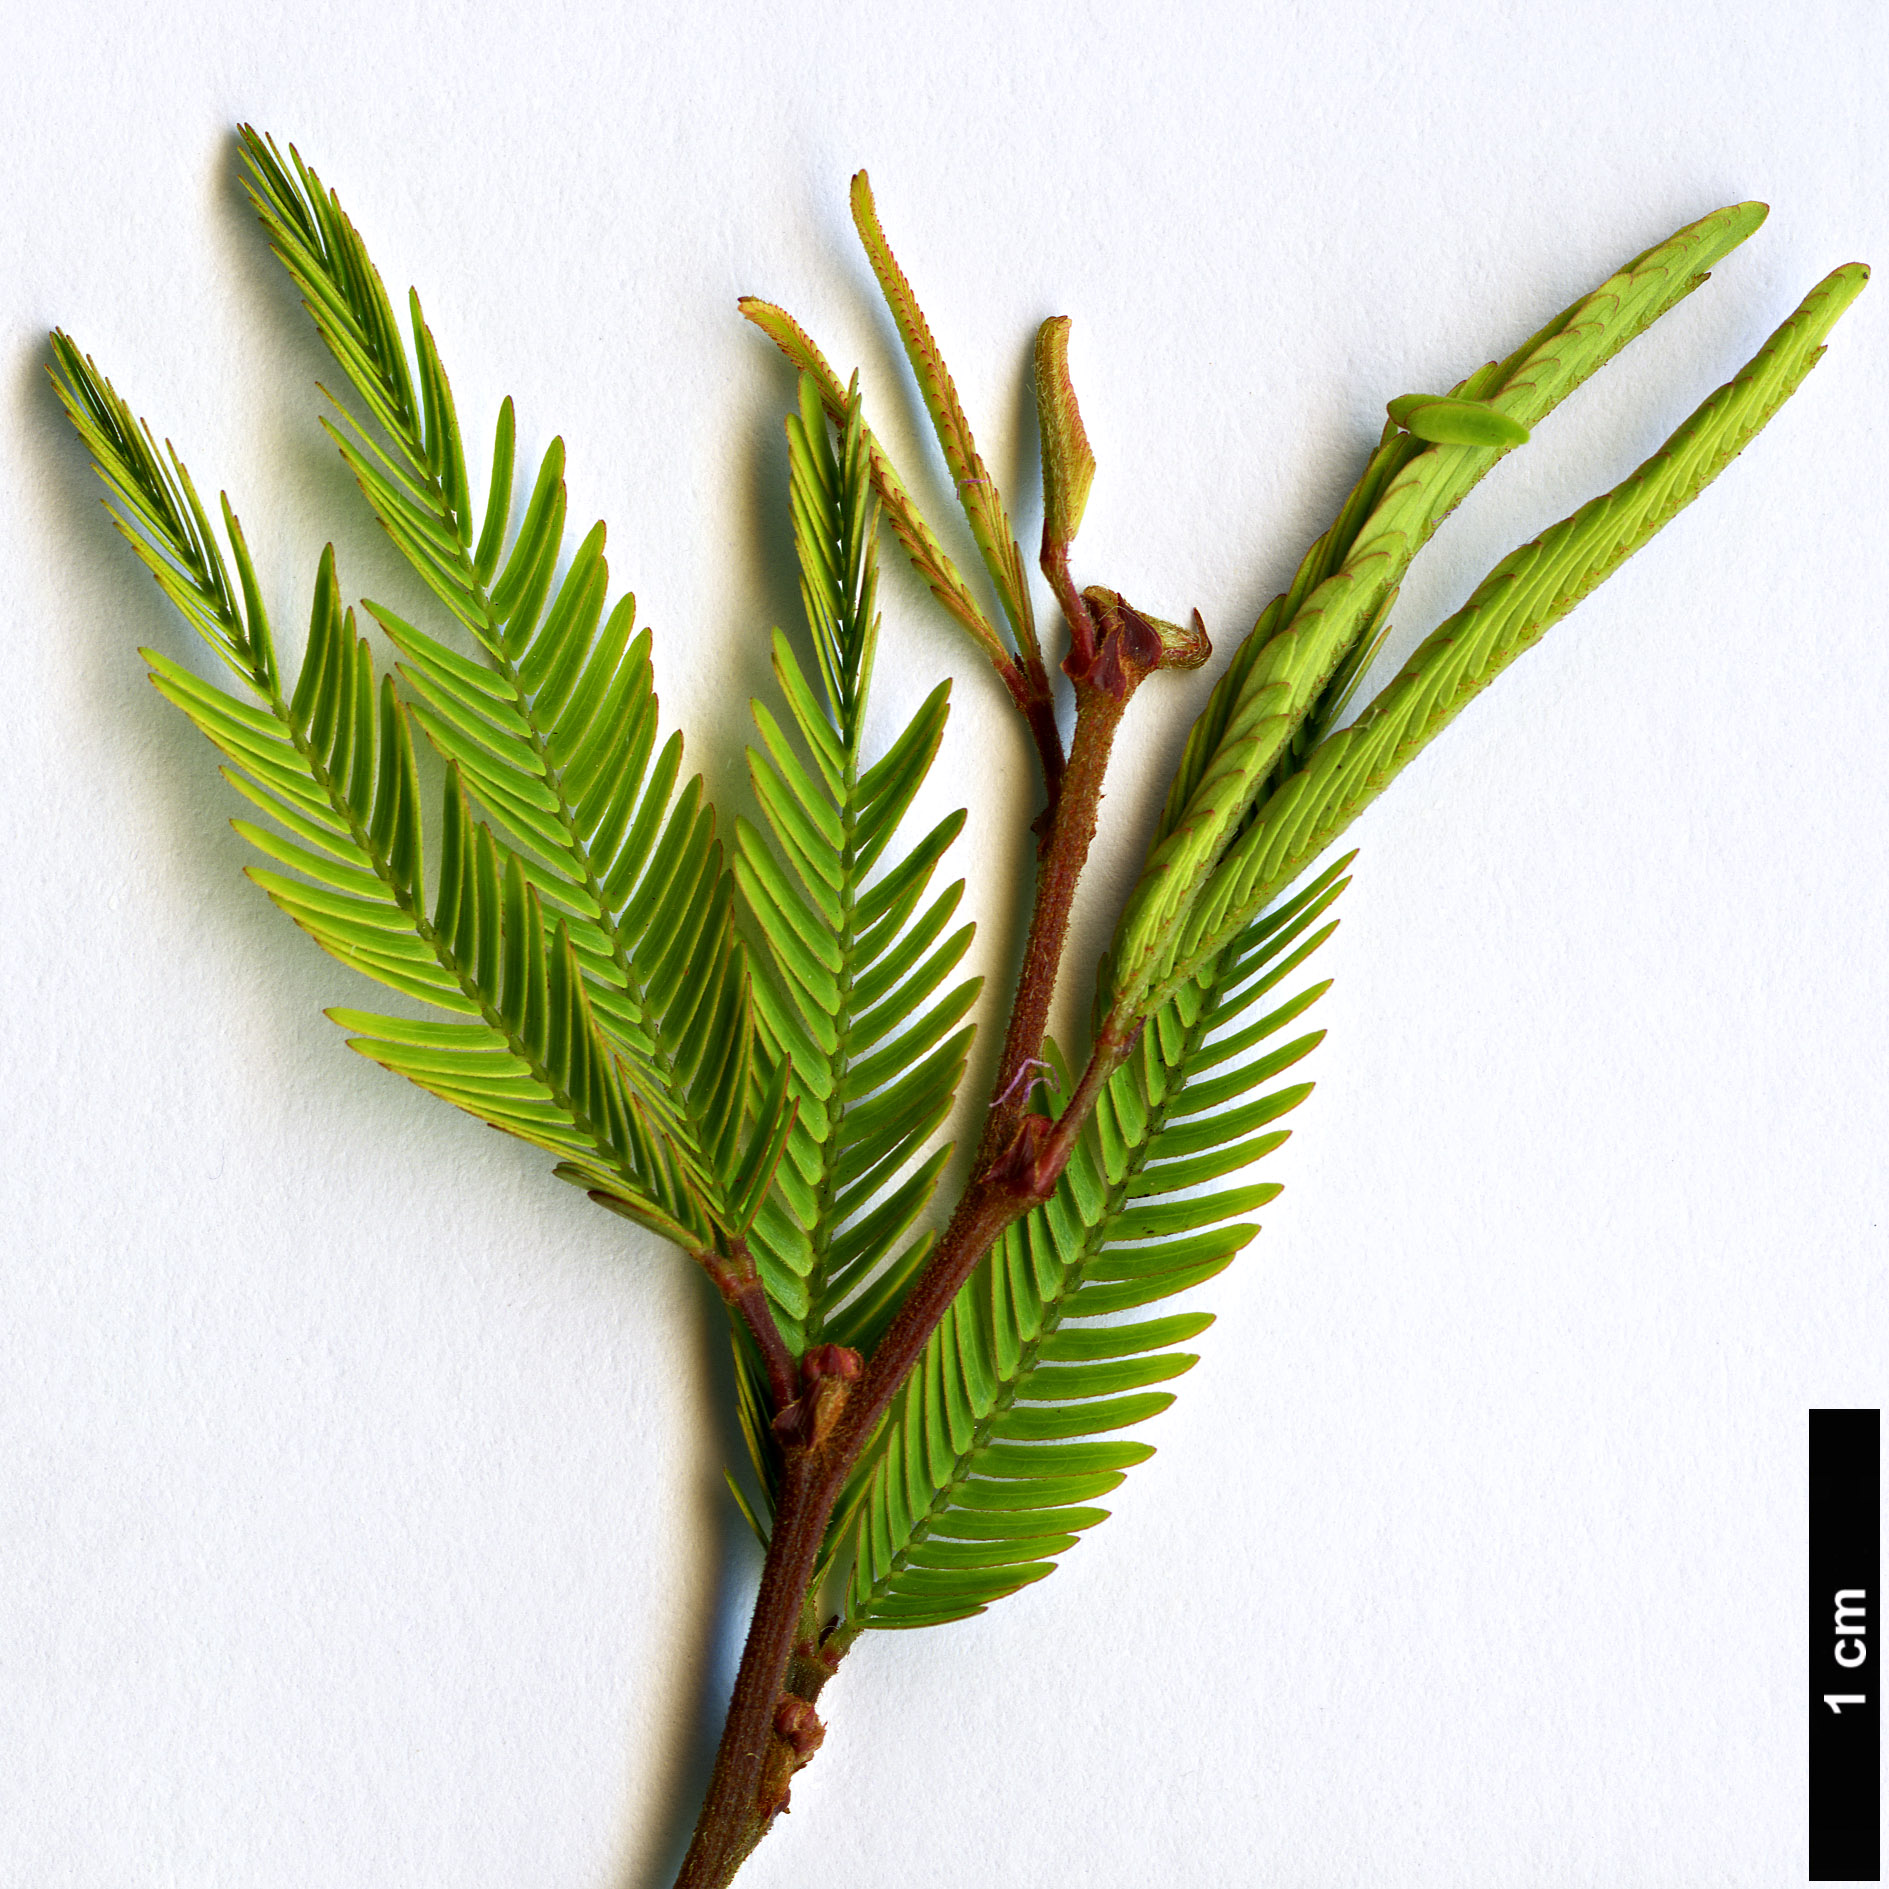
[(1029, 689), (1065, 850), (734, 1818), (1054, 559), (737, 1279), (1019, 1160)]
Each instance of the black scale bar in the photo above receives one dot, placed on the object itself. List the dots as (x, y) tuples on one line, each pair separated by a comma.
[(1847, 1654)]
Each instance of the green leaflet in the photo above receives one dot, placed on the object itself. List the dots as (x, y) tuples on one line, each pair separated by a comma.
[(553, 730), (850, 970), (1446, 422), (1528, 592), (978, 1479), (332, 764), (1284, 673)]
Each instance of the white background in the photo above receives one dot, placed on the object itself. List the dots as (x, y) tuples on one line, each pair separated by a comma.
[(360, 1518)]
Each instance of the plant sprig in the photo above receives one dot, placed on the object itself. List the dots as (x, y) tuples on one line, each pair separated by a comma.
[(751, 1052)]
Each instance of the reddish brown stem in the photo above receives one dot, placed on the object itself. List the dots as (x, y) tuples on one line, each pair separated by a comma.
[(733, 1819), (1040, 712), (1065, 850), (1023, 1176), (1054, 558), (1019, 1160), (1029, 688), (739, 1283)]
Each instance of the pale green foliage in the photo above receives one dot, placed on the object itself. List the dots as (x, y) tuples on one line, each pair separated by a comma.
[(1524, 595), (753, 1057), (851, 957), (854, 956), (982, 1476), (554, 729), (597, 946), (332, 766), (1348, 580)]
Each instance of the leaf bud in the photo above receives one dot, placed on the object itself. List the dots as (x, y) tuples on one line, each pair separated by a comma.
[(1130, 644), (830, 1361), (798, 1725), (1068, 464)]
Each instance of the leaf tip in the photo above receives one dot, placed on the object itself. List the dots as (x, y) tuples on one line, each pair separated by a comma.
[(1068, 461)]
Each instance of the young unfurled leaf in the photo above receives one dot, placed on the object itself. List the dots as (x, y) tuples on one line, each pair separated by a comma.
[(929, 558)]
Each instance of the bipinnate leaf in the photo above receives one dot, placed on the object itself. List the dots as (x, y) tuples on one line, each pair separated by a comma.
[(851, 963), (1283, 675), (552, 724), (331, 764), (1529, 591), (1006, 1431)]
